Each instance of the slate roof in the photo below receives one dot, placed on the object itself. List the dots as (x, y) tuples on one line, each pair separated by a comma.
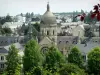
[(17, 45), (7, 40), (88, 48), (3, 50), (66, 39)]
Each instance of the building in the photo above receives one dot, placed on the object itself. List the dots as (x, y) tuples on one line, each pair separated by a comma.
[(5, 43), (48, 28), (12, 25)]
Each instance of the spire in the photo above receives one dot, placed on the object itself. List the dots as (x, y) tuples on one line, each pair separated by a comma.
[(48, 7)]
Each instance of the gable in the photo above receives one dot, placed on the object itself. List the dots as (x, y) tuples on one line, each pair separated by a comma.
[(46, 40)]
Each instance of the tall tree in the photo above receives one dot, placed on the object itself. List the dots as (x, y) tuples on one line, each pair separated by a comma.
[(13, 61), (8, 18), (53, 59), (37, 26), (94, 61), (75, 57), (21, 14), (89, 32), (32, 56), (71, 69), (32, 14), (7, 30)]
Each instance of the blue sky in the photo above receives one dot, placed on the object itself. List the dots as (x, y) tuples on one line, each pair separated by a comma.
[(14, 7)]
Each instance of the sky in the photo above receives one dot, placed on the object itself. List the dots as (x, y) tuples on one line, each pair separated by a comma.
[(14, 7)]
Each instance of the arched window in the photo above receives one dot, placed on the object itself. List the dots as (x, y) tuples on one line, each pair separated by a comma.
[(42, 32), (53, 32), (44, 49), (47, 32), (66, 42), (84, 58)]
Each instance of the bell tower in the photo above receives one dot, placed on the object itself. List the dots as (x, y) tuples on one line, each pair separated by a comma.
[(48, 25)]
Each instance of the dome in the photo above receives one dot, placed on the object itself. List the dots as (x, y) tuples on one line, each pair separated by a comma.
[(48, 17)]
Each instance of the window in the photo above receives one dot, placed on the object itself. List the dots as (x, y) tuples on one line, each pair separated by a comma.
[(84, 58), (74, 42), (66, 42), (5, 41), (1, 41), (59, 42), (2, 57), (44, 49), (42, 32), (61, 52), (2, 65), (53, 32), (95, 41), (47, 32)]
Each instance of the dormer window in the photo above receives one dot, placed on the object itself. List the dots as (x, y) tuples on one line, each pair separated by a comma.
[(53, 32), (95, 41), (47, 32), (1, 41), (66, 42), (5, 41), (74, 42), (2, 57), (59, 42)]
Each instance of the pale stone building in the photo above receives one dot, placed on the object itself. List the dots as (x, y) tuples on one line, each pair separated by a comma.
[(48, 28)]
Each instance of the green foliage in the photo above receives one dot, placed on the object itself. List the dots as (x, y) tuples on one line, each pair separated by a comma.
[(75, 57), (5, 19), (37, 26), (89, 32), (53, 59), (94, 61), (8, 18), (32, 56), (6, 30), (71, 69), (13, 61)]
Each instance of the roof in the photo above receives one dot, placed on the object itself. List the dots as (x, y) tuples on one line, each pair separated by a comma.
[(88, 48), (17, 45), (66, 39), (3, 50), (12, 24), (6, 40)]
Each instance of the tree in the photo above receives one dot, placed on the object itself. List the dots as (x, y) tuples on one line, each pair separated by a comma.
[(37, 27), (53, 59), (7, 30), (13, 61), (94, 61), (32, 56), (89, 32), (21, 14), (32, 14), (75, 57), (8, 18), (2, 21), (71, 69)]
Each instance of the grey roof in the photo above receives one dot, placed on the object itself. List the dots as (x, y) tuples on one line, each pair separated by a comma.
[(17, 45), (7, 40), (3, 50), (66, 39), (89, 47)]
